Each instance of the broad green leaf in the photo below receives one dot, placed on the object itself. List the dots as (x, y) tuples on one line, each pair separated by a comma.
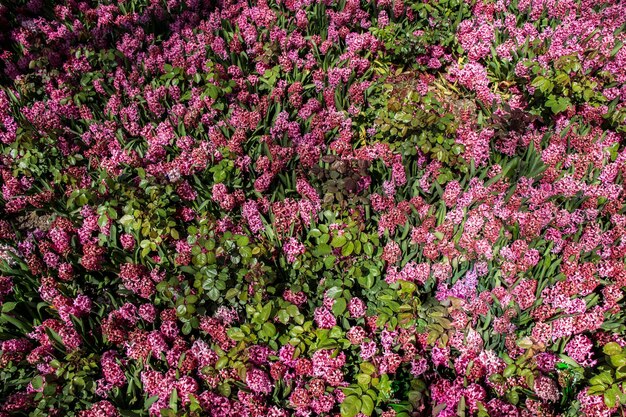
[(269, 329), (612, 348), (338, 241), (367, 406), (235, 333), (351, 406), (339, 306)]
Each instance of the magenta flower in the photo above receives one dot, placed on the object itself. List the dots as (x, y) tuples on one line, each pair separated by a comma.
[(324, 318), (292, 248)]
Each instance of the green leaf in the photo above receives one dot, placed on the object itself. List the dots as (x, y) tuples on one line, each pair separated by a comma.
[(174, 400), (266, 311), (200, 259), (292, 310), (150, 401), (283, 316), (37, 382), (125, 219), (610, 396), (363, 379), (513, 397), (221, 362), (351, 406), (212, 91), (558, 105), (605, 379), (438, 409), (347, 249), (329, 262), (213, 294), (194, 405), (8, 306), (543, 84), (367, 407), (55, 336), (366, 281), (367, 368), (596, 390), (611, 349), (269, 329), (339, 307), (509, 371), (235, 333), (333, 292), (338, 241), (461, 407), (50, 389), (103, 220), (322, 250), (617, 47), (618, 360), (368, 248)]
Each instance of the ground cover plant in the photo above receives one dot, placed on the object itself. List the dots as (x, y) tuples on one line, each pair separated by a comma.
[(302, 208)]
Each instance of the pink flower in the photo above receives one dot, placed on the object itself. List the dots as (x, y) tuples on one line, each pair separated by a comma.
[(593, 405), (356, 307), (250, 212), (136, 279), (186, 191), (324, 318), (368, 349), (418, 367), (391, 252), (101, 409), (292, 249), (258, 381), (440, 355), (355, 335), (127, 241), (580, 348), (383, 19), (298, 298), (299, 398), (113, 372), (147, 312), (323, 403), (546, 389)]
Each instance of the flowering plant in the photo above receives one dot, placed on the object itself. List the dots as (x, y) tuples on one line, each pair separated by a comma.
[(312, 208)]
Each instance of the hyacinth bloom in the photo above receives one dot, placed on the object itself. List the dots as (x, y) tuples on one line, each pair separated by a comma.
[(303, 208)]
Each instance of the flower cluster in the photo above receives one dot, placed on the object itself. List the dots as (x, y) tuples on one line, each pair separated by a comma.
[(312, 208)]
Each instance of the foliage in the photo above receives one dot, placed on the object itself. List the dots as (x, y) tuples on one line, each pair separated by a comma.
[(338, 208)]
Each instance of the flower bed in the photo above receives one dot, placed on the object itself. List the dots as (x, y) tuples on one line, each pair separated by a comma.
[(298, 208)]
